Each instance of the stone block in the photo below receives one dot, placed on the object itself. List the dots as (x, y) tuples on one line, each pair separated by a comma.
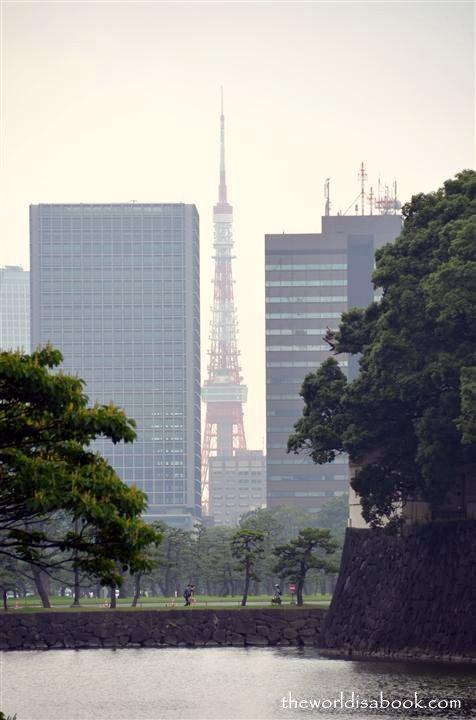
[(138, 634), (290, 633), (308, 631), (298, 624), (258, 640), (188, 635), (263, 630), (220, 636)]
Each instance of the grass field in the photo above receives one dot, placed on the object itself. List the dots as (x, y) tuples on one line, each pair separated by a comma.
[(31, 610), (161, 603)]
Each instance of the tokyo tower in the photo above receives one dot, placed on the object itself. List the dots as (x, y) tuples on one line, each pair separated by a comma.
[(223, 391)]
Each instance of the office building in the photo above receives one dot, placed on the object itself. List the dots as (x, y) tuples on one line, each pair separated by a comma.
[(310, 280), (237, 485), (14, 308), (116, 289)]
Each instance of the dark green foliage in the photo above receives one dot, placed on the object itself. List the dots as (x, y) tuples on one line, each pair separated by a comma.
[(320, 429), (247, 548), (307, 552), (47, 473), (467, 419), (408, 420)]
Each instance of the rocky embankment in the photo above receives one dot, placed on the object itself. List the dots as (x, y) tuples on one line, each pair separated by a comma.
[(158, 628), (409, 597)]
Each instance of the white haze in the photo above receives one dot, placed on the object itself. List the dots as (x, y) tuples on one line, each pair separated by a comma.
[(119, 101)]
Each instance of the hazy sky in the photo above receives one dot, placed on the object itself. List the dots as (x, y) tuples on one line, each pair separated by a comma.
[(119, 101)]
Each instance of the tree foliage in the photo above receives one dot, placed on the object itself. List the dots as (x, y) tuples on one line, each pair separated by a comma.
[(247, 548), (408, 420), (308, 551), (47, 471)]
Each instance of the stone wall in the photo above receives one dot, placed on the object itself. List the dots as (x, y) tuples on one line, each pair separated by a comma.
[(410, 596), (53, 629)]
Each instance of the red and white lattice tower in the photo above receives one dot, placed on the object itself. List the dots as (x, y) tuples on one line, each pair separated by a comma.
[(223, 391)]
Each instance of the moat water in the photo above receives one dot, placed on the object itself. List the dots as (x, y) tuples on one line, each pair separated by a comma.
[(222, 683)]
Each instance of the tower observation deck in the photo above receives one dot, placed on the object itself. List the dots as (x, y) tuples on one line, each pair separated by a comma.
[(223, 391)]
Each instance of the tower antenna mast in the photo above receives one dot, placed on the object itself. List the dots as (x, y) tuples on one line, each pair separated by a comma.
[(362, 178), (223, 391)]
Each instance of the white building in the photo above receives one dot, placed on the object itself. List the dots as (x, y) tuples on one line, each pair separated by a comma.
[(14, 308), (237, 485)]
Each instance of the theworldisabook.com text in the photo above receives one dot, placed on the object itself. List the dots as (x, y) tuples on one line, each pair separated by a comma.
[(353, 701)]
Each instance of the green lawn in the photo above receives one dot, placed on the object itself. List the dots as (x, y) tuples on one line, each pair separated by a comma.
[(161, 608), (161, 603)]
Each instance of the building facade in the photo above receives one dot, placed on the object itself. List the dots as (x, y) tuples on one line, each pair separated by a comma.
[(311, 279), (116, 289), (237, 485), (14, 308)]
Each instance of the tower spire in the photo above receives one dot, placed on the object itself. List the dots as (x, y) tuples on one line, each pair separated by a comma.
[(223, 391), (222, 186)]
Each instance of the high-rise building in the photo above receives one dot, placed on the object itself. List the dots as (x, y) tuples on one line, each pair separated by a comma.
[(237, 485), (14, 308), (310, 280), (223, 392), (116, 289)]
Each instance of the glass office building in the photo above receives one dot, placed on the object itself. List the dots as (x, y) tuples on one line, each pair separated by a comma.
[(14, 308), (311, 279), (116, 289)]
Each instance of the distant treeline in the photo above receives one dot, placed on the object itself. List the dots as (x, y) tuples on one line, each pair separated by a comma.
[(202, 557)]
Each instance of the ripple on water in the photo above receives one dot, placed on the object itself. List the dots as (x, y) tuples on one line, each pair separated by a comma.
[(218, 683)]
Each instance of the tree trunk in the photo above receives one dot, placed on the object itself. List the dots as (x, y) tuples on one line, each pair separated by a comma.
[(5, 601), (230, 584), (167, 584), (113, 597), (136, 589), (247, 583), (300, 586), (123, 589), (76, 588), (38, 577)]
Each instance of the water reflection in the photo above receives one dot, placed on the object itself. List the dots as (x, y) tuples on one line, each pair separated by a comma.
[(221, 683)]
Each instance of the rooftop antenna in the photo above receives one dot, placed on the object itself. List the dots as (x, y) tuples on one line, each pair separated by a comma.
[(222, 186), (362, 178), (371, 200), (327, 196)]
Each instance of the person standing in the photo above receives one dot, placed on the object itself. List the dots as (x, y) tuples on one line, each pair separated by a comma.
[(187, 593)]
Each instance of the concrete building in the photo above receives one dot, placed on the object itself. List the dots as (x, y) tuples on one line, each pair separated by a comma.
[(237, 485), (310, 280), (116, 289), (14, 308)]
